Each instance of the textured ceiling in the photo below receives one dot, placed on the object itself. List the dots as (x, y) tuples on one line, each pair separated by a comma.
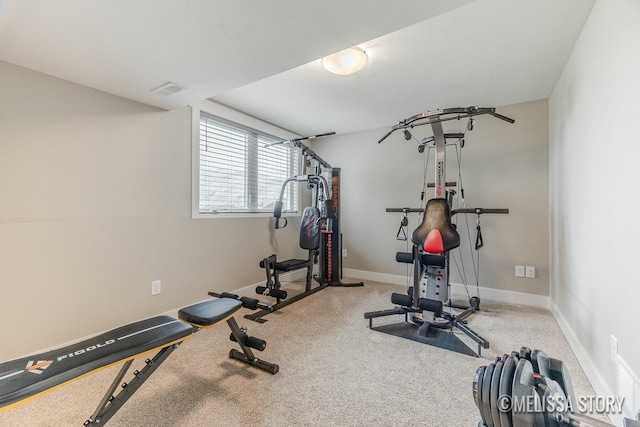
[(261, 57)]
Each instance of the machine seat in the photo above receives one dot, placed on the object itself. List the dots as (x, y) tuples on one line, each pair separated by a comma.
[(208, 313), (436, 234), (289, 265)]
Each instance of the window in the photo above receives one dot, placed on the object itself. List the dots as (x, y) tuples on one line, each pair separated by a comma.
[(239, 172)]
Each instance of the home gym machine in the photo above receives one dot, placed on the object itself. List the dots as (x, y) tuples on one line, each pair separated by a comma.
[(527, 388), (319, 232), (423, 304)]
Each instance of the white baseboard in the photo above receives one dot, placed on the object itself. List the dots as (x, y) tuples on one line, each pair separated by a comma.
[(457, 289), (393, 279), (593, 374)]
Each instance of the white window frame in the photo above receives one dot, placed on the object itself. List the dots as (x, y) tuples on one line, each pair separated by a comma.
[(228, 114)]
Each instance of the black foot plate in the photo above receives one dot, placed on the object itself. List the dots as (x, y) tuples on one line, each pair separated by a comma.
[(435, 337)]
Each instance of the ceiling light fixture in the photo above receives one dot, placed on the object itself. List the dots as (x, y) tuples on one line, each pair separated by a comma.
[(345, 62)]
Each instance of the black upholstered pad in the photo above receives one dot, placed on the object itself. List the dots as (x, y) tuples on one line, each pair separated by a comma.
[(437, 216), (290, 264), (310, 229), (27, 377), (209, 312)]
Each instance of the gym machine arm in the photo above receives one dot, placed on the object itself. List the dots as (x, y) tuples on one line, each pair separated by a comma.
[(305, 150), (477, 211), (443, 115), (312, 179)]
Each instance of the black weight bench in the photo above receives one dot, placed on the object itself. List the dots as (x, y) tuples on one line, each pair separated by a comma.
[(27, 378)]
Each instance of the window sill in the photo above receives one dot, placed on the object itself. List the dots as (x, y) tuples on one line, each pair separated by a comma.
[(241, 215)]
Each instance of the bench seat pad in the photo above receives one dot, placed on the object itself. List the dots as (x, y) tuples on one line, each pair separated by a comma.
[(209, 312), (30, 376), (290, 264)]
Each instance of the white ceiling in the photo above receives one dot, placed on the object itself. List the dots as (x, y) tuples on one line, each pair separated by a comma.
[(261, 56)]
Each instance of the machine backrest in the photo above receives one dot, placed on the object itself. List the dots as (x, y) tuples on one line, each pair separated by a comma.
[(436, 234), (310, 229)]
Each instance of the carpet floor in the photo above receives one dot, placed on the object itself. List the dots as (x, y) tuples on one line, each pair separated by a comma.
[(334, 371)]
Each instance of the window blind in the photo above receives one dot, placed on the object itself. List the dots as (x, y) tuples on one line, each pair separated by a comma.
[(238, 173)]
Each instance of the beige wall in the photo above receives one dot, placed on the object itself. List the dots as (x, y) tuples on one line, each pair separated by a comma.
[(594, 176), (503, 166), (95, 204)]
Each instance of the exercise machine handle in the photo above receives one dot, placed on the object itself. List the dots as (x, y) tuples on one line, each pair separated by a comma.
[(278, 226), (444, 115), (501, 117), (386, 135), (277, 213), (480, 211), (313, 179), (315, 136), (405, 210)]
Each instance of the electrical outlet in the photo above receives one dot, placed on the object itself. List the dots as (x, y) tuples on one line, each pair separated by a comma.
[(519, 270), (531, 272), (155, 287), (344, 253), (613, 348)]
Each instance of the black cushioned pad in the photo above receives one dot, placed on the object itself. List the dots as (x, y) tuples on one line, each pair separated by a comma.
[(25, 378), (289, 265), (209, 312), (310, 229)]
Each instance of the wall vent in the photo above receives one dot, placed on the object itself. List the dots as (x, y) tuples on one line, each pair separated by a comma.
[(168, 89)]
